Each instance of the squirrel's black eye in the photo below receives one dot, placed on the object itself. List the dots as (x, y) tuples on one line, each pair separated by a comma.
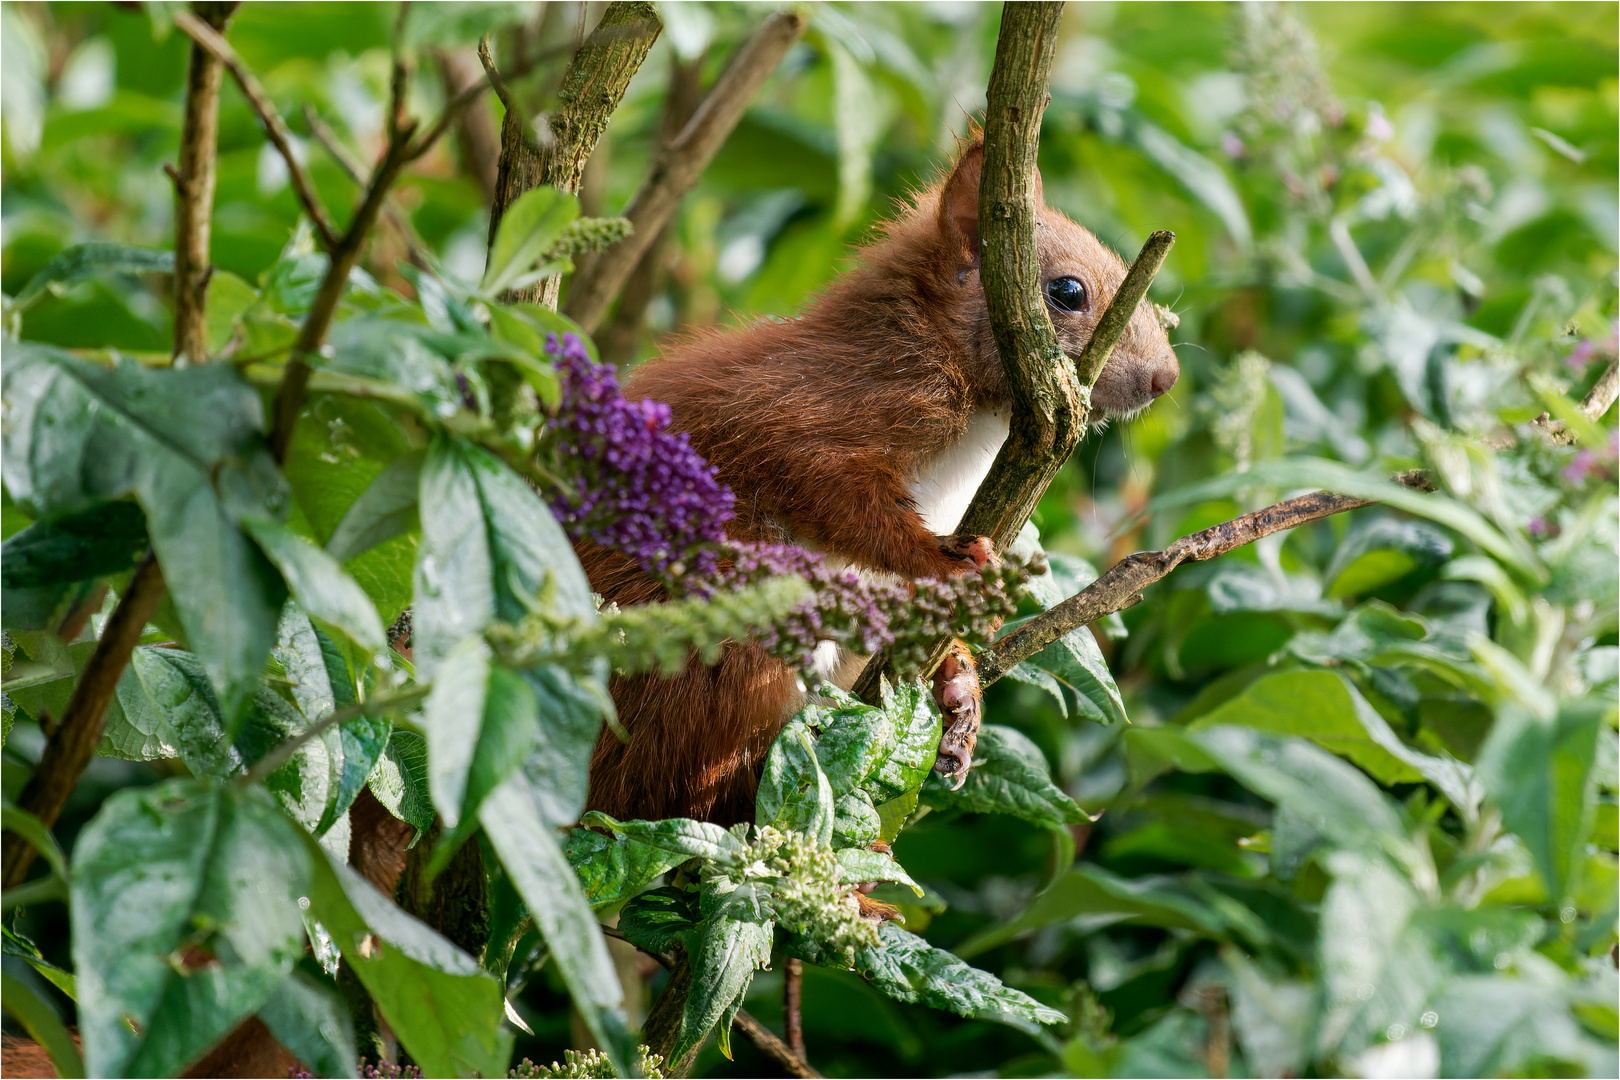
[(1068, 294)]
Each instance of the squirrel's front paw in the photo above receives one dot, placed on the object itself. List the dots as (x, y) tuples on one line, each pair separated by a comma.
[(956, 690), (980, 551)]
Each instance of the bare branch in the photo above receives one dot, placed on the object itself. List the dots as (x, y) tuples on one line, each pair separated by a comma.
[(764, 1038), (678, 168), (73, 743), (1121, 585), (592, 87), (1111, 327), (617, 340), (295, 377), (1603, 393), (1049, 408), (194, 192), (356, 171), (792, 996), (214, 43)]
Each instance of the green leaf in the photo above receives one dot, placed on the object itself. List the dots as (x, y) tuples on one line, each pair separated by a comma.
[(793, 791), (178, 691), (854, 740), (481, 720), (612, 869), (558, 765), (1075, 661), (679, 836), (1497, 1025), (40, 565), (186, 443), (312, 1022), (1151, 752), (86, 260), (16, 945), (528, 229), (400, 781), (1365, 954), (1381, 550), (340, 446), (1319, 705), (489, 544), (29, 828), (322, 682), (1010, 776), (319, 583), (540, 871), (1336, 799), (444, 1008), (42, 1024), (186, 919), (229, 298), (385, 509), (859, 865), (1100, 899), (658, 920), (1540, 773), (856, 822), (917, 726), (909, 969), (725, 953)]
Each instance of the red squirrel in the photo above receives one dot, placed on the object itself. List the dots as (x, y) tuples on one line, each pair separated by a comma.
[(861, 430)]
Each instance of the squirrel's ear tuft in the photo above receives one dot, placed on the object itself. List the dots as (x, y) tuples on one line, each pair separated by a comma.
[(959, 203)]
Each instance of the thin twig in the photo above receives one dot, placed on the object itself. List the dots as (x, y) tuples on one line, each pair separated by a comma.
[(1111, 327), (1121, 585), (284, 752), (757, 1033), (792, 997), (208, 38), (678, 168), (1603, 393), (764, 1038), (73, 743), (194, 192), (415, 249)]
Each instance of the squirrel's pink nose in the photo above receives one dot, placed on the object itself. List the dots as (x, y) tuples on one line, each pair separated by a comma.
[(1165, 374)]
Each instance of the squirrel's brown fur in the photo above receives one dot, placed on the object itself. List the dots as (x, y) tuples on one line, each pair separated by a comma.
[(820, 425)]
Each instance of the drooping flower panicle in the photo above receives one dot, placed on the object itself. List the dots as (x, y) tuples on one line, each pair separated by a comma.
[(641, 488)]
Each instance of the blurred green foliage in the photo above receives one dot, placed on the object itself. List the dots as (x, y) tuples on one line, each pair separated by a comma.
[(1363, 818)]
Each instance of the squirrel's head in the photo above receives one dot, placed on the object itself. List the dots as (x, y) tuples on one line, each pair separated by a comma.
[(1079, 275)]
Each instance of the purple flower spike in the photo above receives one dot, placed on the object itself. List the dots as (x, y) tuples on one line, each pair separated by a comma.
[(642, 489), (1584, 464), (1581, 354)]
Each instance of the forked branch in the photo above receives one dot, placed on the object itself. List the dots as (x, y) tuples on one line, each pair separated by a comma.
[(679, 166), (275, 128), (1121, 585)]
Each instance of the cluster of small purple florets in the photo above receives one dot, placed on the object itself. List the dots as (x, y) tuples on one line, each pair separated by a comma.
[(640, 488), (867, 614)]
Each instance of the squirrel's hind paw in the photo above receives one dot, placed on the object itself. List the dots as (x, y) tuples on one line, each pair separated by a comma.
[(956, 690)]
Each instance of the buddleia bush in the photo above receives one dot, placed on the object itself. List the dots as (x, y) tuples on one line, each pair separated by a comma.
[(1342, 802)]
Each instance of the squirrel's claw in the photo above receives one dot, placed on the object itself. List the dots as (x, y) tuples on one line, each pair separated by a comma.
[(956, 690), (977, 551)]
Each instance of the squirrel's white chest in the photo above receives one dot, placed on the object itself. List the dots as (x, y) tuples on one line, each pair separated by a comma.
[(944, 487)]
